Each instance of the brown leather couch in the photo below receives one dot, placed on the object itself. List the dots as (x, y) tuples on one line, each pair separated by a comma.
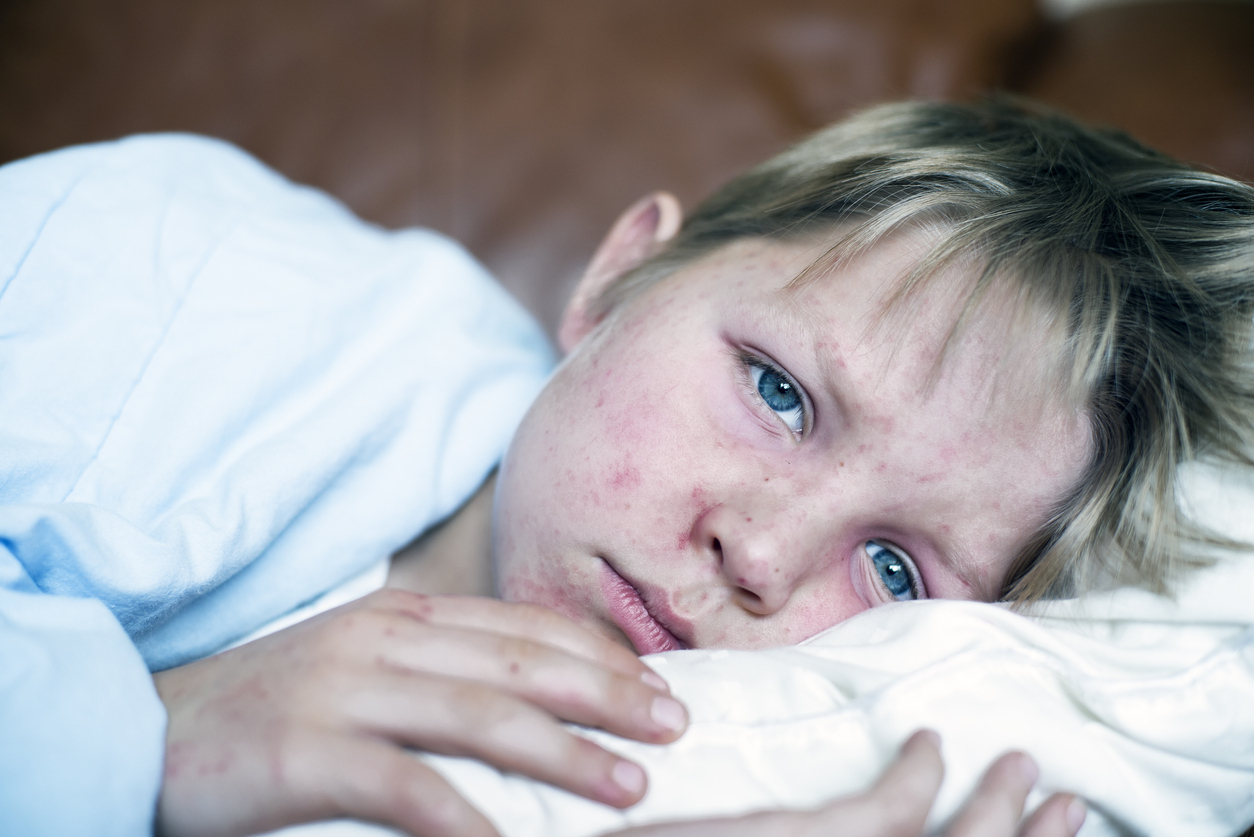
[(522, 127)]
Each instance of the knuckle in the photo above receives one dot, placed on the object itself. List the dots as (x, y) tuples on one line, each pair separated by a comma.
[(286, 752), (486, 709), (357, 631), (898, 814), (417, 605)]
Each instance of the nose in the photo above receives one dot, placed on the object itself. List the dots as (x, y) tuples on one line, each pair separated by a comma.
[(753, 554)]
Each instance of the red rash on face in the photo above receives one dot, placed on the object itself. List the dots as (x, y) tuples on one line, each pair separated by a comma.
[(674, 472), (625, 477)]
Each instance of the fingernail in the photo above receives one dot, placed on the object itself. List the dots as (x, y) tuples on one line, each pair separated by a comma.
[(1028, 770), (668, 713), (655, 680), (629, 777), (1076, 813)]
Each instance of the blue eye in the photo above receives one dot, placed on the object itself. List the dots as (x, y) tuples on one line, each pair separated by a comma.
[(780, 394), (894, 571)]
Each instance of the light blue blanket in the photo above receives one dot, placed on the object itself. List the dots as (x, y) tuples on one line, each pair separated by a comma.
[(220, 396)]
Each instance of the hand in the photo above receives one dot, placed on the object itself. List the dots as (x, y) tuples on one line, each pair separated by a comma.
[(310, 723), (898, 804)]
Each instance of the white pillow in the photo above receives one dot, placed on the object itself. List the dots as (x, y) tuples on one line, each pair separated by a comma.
[(1143, 705)]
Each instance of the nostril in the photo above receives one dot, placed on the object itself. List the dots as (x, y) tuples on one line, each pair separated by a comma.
[(717, 547), (749, 599)]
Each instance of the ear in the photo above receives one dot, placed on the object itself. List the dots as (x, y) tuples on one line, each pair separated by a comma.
[(638, 234)]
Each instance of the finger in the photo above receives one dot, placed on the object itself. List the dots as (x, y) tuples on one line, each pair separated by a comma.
[(571, 688), (1059, 816), (540, 624), (898, 803), (996, 807), (458, 718), (371, 780), (896, 806)]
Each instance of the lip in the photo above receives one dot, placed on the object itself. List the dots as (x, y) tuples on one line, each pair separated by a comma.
[(632, 615)]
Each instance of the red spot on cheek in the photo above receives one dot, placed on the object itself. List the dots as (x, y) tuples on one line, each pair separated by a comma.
[(625, 476)]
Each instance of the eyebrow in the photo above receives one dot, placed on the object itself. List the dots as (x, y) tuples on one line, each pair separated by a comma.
[(791, 317)]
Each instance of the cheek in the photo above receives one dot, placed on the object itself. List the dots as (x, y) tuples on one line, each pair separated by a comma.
[(542, 582)]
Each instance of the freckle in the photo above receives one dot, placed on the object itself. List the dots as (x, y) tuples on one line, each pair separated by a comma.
[(842, 464), (766, 479)]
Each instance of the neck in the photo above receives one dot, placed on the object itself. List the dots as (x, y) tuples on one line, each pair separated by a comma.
[(453, 558)]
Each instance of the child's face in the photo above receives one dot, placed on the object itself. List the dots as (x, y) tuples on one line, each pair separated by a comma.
[(729, 462)]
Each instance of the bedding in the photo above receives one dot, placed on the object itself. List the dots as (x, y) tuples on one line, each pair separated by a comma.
[(222, 395), (1142, 704)]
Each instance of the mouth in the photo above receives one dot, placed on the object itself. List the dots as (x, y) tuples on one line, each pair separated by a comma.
[(632, 615)]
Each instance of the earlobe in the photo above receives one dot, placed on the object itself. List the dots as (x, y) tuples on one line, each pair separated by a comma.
[(637, 235)]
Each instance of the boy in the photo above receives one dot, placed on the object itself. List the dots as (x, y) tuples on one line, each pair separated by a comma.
[(935, 351)]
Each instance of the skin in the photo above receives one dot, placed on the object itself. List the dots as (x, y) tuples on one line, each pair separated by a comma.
[(652, 457), (759, 538)]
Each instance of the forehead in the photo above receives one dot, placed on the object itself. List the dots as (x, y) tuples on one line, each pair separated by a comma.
[(933, 335)]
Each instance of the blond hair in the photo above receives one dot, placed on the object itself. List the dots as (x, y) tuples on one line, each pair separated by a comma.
[(1147, 264)]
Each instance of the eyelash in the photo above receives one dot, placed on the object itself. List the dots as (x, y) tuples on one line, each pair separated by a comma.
[(749, 361), (917, 589)]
